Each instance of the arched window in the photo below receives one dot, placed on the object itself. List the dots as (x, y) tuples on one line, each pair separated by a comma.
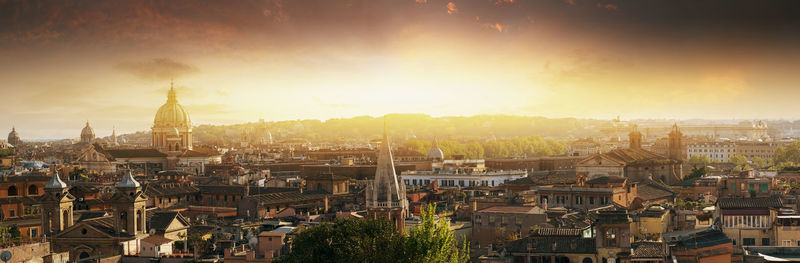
[(587, 260), (33, 190), (12, 191), (83, 255)]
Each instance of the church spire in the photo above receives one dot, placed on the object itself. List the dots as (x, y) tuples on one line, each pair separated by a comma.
[(55, 182)]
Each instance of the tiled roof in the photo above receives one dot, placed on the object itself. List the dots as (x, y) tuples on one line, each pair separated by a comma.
[(92, 214), (161, 220), (762, 202), (559, 177), (327, 177), (25, 178), (606, 179), (612, 217), (653, 191), (646, 249), (547, 244), (136, 153), (632, 156), (513, 209), (578, 189), (169, 189), (707, 237), (287, 197), (156, 240)]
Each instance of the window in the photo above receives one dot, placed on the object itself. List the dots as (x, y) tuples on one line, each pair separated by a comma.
[(34, 232), (591, 200), (12, 191), (33, 190), (786, 243), (748, 241), (12, 213), (765, 241)]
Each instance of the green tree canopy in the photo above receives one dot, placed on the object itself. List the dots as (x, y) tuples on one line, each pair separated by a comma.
[(699, 160), (789, 153), (737, 160), (356, 240)]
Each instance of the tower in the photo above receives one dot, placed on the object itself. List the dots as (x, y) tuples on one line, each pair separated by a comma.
[(635, 138), (385, 195), (87, 134), (129, 207), (56, 206), (172, 126), (675, 148), (114, 136)]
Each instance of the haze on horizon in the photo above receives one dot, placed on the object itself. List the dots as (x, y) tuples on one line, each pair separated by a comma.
[(111, 62)]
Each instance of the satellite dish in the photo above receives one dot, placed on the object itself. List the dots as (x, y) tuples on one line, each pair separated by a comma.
[(5, 256)]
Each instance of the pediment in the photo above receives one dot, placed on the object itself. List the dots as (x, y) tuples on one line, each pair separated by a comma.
[(599, 160), (83, 230)]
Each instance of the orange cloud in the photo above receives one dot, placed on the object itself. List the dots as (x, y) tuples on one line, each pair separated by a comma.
[(421, 1), (451, 8), (611, 7), (570, 2), (499, 2), (498, 27)]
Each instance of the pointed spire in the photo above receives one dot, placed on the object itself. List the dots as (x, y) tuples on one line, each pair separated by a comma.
[(55, 182), (128, 181)]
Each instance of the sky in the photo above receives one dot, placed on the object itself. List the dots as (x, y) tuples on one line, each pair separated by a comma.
[(63, 63)]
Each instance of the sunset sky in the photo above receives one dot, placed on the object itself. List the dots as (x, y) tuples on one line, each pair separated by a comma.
[(110, 62)]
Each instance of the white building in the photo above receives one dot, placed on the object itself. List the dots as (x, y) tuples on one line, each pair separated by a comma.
[(419, 178), (156, 246), (715, 151)]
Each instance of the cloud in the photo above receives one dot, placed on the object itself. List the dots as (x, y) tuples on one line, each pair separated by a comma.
[(451, 8), (611, 7), (421, 1), (157, 69), (496, 26), (570, 2)]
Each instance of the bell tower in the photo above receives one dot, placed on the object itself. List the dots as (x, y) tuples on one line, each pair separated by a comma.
[(675, 150), (635, 138), (56, 206), (129, 207)]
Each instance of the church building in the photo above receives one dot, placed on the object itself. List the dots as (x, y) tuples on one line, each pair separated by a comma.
[(385, 195)]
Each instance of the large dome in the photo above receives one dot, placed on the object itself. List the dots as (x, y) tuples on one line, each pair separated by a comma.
[(87, 131), (172, 114), (435, 153)]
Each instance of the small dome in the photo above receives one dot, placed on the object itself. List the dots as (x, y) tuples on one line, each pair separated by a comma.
[(128, 181), (435, 152), (55, 182), (172, 114)]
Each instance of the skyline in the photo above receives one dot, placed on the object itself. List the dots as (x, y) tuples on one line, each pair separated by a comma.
[(111, 62)]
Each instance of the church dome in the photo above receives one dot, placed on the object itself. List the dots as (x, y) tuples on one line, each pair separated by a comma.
[(87, 131), (13, 137), (435, 153), (172, 114), (174, 132)]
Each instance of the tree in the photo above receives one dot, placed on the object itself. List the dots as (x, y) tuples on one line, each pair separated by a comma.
[(433, 242), (346, 240), (697, 172), (738, 160), (789, 153), (356, 240), (760, 163), (699, 160)]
